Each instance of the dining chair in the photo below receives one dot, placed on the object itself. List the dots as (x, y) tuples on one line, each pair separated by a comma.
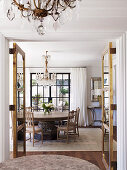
[(30, 127), (31, 109), (69, 128), (77, 120)]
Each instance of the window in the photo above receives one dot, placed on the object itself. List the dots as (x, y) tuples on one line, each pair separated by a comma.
[(58, 94)]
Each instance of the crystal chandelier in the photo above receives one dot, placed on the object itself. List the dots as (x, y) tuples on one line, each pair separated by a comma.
[(40, 9), (46, 79)]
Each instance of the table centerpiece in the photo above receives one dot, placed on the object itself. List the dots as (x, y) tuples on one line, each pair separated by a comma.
[(48, 107)]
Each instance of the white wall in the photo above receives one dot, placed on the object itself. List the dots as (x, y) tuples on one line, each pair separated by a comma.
[(4, 99)]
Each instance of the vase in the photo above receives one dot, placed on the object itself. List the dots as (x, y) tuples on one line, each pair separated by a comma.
[(46, 112)]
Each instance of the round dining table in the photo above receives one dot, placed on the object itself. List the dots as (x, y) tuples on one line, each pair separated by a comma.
[(49, 123), (52, 116)]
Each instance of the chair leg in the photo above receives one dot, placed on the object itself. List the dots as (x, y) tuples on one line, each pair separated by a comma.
[(33, 139), (30, 137), (67, 137), (57, 134), (42, 136), (77, 130)]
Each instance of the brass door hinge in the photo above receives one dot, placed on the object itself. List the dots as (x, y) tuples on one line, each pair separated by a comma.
[(11, 107), (12, 50), (113, 106), (112, 50)]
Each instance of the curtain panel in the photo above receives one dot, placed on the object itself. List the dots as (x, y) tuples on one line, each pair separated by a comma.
[(79, 93)]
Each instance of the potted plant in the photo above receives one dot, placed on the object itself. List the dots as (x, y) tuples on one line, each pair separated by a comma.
[(63, 91), (36, 99)]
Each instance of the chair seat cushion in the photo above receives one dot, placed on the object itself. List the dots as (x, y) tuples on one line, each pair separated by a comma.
[(36, 129), (64, 128)]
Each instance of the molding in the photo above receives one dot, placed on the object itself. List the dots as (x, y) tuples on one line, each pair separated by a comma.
[(122, 103)]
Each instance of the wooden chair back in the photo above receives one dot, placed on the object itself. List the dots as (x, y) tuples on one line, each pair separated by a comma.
[(29, 109), (77, 114), (29, 119), (71, 119)]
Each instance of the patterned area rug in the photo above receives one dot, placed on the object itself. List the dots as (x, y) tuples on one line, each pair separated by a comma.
[(47, 162), (90, 139)]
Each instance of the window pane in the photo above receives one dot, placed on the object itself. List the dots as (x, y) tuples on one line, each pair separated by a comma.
[(59, 79), (65, 104), (59, 76), (34, 79), (54, 101), (46, 91), (53, 91), (64, 91), (65, 79), (34, 101), (19, 103), (40, 90), (45, 100), (40, 102), (59, 103), (59, 94), (34, 91)]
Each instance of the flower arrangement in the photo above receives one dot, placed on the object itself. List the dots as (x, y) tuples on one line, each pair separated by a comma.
[(47, 107)]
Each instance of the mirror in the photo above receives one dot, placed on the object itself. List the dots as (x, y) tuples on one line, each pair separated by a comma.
[(95, 85)]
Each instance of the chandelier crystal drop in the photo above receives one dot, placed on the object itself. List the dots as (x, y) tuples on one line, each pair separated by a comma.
[(40, 9), (46, 79)]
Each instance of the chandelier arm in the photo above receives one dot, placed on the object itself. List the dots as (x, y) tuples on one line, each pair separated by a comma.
[(21, 7), (69, 4), (35, 4), (39, 4), (47, 3), (61, 5), (51, 7)]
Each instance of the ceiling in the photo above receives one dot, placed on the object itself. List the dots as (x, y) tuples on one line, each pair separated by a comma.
[(94, 19), (82, 39), (63, 54)]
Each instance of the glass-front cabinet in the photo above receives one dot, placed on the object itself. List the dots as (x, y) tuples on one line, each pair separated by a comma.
[(109, 145)]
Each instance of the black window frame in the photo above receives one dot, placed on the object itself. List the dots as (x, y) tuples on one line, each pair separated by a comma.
[(50, 97)]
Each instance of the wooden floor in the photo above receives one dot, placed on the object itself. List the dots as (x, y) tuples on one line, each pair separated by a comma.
[(93, 157)]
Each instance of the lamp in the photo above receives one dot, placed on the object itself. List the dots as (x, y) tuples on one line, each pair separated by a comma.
[(98, 92)]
